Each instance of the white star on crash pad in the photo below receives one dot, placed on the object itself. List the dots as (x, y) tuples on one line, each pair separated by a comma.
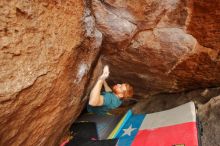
[(128, 131)]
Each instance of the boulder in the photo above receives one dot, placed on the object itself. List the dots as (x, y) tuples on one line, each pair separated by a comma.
[(48, 50), (163, 51)]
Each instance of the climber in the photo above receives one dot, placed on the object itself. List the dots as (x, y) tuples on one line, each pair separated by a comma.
[(102, 102)]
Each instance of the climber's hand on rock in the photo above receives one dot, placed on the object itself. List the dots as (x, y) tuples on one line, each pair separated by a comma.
[(105, 73)]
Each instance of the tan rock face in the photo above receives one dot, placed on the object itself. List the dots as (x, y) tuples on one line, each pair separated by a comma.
[(44, 67), (110, 23), (164, 52), (204, 22)]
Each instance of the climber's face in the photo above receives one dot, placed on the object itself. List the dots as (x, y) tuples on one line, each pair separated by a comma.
[(119, 90)]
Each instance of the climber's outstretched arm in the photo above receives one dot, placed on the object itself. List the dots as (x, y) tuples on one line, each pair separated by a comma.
[(95, 98)]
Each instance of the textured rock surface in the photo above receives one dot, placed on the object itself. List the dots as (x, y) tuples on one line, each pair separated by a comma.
[(166, 49), (111, 24), (45, 62), (204, 22), (210, 116)]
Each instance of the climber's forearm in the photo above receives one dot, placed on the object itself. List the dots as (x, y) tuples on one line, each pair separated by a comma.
[(95, 98), (107, 88)]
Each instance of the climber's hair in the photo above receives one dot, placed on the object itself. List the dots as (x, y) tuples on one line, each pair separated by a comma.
[(129, 92)]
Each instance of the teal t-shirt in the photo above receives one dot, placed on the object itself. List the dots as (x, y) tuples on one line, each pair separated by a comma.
[(111, 101)]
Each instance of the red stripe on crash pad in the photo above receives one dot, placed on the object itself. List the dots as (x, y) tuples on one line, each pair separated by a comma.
[(167, 136)]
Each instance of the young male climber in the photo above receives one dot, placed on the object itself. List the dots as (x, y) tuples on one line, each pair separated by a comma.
[(102, 102)]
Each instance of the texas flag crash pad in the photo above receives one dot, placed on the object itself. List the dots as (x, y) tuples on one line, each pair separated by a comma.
[(174, 127)]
